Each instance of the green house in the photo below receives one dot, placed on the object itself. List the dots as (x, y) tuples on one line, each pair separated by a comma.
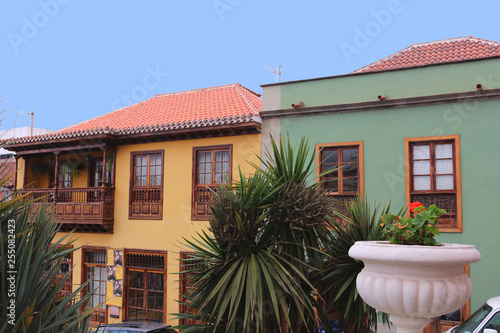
[(420, 125)]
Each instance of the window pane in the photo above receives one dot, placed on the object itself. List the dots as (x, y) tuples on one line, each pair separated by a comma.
[(422, 183), (132, 279), (151, 300), (335, 171), (201, 157), (350, 155), (350, 170), (444, 182), (201, 168), (140, 280), (159, 301), (208, 179), (225, 156), (218, 178), (444, 166), (422, 167), (158, 170), (331, 185), (421, 152), (208, 157), (218, 167), (331, 156), (218, 156), (444, 151), (151, 281), (138, 171), (225, 167), (201, 179), (157, 180), (350, 184), (159, 281)]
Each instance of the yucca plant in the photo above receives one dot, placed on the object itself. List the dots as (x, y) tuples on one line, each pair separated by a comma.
[(30, 259), (360, 223), (255, 274)]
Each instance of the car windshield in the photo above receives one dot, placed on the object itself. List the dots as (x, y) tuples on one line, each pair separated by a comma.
[(471, 324)]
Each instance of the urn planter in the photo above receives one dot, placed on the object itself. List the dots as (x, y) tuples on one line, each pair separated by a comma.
[(414, 283)]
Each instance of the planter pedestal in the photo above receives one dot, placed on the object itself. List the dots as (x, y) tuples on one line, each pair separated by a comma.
[(414, 283)]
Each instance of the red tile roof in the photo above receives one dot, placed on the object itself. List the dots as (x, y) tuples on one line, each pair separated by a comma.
[(206, 107), (438, 52)]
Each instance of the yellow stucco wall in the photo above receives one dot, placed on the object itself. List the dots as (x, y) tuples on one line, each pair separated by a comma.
[(165, 234)]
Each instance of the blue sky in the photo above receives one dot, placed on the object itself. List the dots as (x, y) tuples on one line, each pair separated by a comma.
[(73, 60)]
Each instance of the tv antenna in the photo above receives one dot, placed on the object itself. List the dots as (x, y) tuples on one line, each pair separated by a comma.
[(276, 71)]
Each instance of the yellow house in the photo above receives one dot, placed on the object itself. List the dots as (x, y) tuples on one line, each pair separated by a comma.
[(132, 183)]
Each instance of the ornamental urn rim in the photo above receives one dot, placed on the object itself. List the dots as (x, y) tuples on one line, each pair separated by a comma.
[(446, 253)]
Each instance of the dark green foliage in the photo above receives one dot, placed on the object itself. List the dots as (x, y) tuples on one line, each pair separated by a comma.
[(255, 274), (37, 264), (361, 224)]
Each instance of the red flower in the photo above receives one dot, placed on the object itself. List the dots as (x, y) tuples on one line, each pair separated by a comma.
[(415, 205)]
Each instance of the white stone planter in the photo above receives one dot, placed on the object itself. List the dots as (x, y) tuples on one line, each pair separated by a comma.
[(414, 283)]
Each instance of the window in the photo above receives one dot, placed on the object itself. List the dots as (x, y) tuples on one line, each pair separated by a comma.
[(212, 166), (65, 268), (65, 177), (96, 175), (345, 163), (145, 289), (146, 185), (94, 269), (185, 286), (433, 177)]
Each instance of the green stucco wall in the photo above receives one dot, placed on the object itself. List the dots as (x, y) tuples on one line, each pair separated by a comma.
[(425, 81), (383, 132)]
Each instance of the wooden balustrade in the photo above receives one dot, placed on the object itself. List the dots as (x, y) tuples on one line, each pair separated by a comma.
[(149, 195), (89, 209), (202, 200), (145, 203)]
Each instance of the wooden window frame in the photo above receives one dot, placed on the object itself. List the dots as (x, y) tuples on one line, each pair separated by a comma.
[(69, 280), (194, 215), (148, 211), (127, 269), (84, 278), (183, 286), (341, 204), (455, 139), (62, 177), (342, 145)]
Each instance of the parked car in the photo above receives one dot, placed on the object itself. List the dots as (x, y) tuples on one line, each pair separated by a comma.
[(485, 320), (145, 326)]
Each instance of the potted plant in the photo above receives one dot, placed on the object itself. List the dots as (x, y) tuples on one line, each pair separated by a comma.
[(412, 276)]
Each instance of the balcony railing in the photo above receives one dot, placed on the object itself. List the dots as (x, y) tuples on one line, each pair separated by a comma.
[(87, 209)]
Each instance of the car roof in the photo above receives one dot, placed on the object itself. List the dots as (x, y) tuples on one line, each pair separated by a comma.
[(136, 325), (494, 302)]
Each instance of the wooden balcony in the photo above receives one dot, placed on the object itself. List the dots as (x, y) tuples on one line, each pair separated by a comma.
[(84, 209)]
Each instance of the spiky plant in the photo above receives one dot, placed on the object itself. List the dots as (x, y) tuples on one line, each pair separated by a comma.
[(360, 223), (30, 259), (255, 273)]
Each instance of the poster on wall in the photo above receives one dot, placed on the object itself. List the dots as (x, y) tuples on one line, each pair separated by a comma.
[(114, 278), (118, 288), (118, 258)]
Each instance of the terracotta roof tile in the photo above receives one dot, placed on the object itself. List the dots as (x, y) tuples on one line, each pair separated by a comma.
[(213, 106), (438, 52)]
